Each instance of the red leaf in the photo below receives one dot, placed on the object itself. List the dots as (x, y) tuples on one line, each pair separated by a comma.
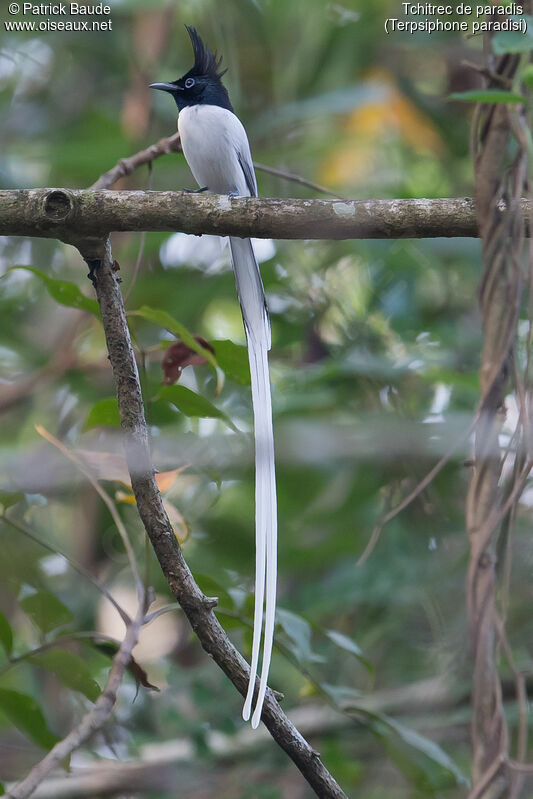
[(178, 356)]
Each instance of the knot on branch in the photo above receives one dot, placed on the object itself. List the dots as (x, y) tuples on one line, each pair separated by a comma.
[(125, 167), (209, 602), (58, 205)]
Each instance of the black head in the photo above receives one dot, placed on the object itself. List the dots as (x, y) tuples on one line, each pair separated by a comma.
[(203, 83)]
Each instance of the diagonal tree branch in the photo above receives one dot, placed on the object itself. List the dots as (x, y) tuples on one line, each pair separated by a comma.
[(71, 215), (125, 166), (292, 177), (197, 607)]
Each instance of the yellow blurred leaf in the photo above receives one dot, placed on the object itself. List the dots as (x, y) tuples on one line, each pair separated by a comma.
[(307, 689), (110, 466), (371, 125), (113, 467), (126, 497), (179, 525), (165, 480)]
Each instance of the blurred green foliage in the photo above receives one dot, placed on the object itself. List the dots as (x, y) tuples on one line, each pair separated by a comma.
[(374, 369)]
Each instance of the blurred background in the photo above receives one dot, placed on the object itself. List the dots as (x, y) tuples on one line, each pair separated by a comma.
[(374, 370)]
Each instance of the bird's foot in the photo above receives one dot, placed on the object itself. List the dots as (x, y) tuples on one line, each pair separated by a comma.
[(196, 191), (94, 265), (234, 194)]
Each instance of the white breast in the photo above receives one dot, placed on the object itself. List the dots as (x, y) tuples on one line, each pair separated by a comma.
[(212, 138)]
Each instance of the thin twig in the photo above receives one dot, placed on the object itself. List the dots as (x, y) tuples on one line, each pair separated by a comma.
[(505, 83), (125, 166), (172, 144), (142, 242), (499, 512), (521, 697), (57, 643), (524, 768), (106, 499), (488, 776), (378, 529), (73, 564), (293, 178), (93, 721), (430, 476)]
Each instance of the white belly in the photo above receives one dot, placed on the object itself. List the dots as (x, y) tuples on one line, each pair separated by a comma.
[(211, 138)]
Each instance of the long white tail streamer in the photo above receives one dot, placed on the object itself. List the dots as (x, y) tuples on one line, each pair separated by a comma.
[(257, 326)]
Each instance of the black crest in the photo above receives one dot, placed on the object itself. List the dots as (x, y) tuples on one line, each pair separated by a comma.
[(205, 61)]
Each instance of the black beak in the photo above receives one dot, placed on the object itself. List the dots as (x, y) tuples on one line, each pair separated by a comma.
[(166, 87)]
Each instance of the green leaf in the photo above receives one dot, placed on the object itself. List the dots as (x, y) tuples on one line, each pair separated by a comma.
[(9, 498), (298, 631), (349, 645), (211, 587), (232, 621), (103, 413), (487, 96), (192, 404), (63, 291), (511, 42), (344, 642), (421, 760), (164, 319), (514, 41), (45, 610), (69, 669), (342, 695), (233, 360), (25, 714), (527, 75), (6, 634)]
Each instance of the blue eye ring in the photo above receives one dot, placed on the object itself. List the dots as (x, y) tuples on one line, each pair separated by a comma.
[(189, 83)]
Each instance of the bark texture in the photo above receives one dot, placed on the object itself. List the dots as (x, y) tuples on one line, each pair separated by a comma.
[(499, 185), (73, 215)]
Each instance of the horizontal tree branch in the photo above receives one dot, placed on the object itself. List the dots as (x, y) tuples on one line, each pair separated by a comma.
[(423, 705), (73, 215), (159, 762)]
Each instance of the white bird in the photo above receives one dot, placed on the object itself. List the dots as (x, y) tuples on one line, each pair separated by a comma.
[(216, 147)]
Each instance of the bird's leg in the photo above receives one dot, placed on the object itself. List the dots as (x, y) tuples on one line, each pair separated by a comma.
[(196, 191), (234, 193)]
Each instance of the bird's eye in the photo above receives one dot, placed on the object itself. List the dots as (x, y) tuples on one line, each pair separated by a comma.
[(189, 83)]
